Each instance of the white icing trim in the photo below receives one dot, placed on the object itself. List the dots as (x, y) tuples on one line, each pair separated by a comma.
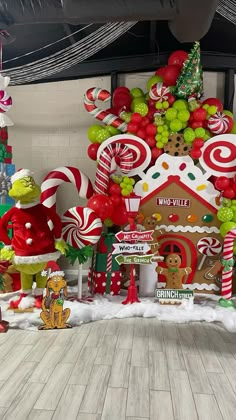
[(193, 286), (37, 258), (192, 229), (173, 164)]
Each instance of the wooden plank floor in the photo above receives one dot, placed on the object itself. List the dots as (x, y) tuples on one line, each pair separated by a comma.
[(121, 369)]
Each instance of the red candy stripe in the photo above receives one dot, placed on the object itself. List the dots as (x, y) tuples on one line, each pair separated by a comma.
[(104, 164), (226, 291), (106, 117), (60, 175), (81, 227)]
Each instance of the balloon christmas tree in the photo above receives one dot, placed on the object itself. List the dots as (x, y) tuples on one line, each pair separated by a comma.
[(169, 118)]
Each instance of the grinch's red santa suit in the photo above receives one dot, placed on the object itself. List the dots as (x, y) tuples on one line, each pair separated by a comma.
[(33, 242)]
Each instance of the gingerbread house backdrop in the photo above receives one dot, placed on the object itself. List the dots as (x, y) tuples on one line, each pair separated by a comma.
[(186, 204)]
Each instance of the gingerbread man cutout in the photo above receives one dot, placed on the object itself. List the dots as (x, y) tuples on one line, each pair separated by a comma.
[(150, 223), (173, 272)]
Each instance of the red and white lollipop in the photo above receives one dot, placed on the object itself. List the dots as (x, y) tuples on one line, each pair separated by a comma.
[(159, 92), (81, 227), (208, 247), (5, 101), (218, 123), (219, 156), (60, 175)]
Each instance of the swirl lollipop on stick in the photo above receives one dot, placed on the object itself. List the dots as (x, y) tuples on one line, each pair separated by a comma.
[(81, 227), (208, 247), (219, 156)]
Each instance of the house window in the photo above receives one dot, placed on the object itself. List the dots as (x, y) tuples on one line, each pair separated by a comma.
[(172, 247)]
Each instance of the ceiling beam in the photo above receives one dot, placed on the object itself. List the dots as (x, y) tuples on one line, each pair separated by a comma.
[(134, 64)]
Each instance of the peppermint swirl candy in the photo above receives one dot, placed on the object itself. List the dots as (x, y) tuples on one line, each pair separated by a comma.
[(5, 101), (81, 227), (159, 92), (219, 155), (218, 123)]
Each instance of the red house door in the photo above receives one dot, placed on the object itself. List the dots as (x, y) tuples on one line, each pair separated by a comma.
[(178, 244)]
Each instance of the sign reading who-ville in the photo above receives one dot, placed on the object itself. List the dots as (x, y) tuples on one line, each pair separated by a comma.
[(173, 202)]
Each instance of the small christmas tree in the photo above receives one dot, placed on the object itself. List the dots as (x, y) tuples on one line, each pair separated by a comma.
[(190, 80)]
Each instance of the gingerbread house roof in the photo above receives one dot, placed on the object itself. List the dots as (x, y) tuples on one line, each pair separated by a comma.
[(182, 171)]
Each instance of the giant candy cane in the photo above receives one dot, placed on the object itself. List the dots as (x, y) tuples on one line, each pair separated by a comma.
[(60, 175), (106, 117), (104, 165), (228, 263)]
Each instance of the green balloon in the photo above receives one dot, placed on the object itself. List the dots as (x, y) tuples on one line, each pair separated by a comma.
[(227, 112), (153, 80), (93, 132), (233, 131), (136, 101), (226, 227), (112, 130), (136, 92)]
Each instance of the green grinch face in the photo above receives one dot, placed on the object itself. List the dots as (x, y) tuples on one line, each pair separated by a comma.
[(25, 190)]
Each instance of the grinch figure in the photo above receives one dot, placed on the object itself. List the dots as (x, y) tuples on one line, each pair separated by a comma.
[(33, 243)]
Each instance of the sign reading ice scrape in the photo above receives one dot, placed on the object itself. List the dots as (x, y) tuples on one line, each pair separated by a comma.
[(172, 295)]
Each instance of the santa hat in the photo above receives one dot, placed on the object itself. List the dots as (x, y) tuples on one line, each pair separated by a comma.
[(52, 269), (21, 173)]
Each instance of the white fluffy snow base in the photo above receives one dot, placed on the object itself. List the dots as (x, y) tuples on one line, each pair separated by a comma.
[(204, 308)]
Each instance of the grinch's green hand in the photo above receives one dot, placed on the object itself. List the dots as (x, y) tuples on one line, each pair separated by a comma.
[(7, 254), (61, 246)]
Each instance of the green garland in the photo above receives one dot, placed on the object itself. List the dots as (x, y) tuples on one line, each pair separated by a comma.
[(82, 255)]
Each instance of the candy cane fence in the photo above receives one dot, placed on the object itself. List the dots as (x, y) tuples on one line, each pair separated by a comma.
[(228, 263)]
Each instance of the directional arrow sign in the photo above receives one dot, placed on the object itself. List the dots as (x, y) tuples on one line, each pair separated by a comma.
[(130, 248), (135, 236), (134, 259)]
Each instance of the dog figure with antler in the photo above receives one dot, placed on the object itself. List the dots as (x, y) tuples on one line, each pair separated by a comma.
[(53, 315)]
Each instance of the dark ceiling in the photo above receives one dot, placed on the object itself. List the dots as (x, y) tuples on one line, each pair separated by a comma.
[(145, 46)]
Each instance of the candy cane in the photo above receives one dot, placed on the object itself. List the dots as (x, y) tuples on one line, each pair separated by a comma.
[(104, 164), (106, 117), (228, 263), (60, 175)]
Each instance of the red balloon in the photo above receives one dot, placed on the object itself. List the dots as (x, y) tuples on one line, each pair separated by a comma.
[(122, 100), (195, 153), (155, 152), (151, 142), (178, 58), (214, 101), (93, 150), (115, 199), (171, 74), (102, 206), (120, 89), (114, 189), (120, 216), (222, 182), (229, 193), (136, 118), (231, 123), (160, 71)]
